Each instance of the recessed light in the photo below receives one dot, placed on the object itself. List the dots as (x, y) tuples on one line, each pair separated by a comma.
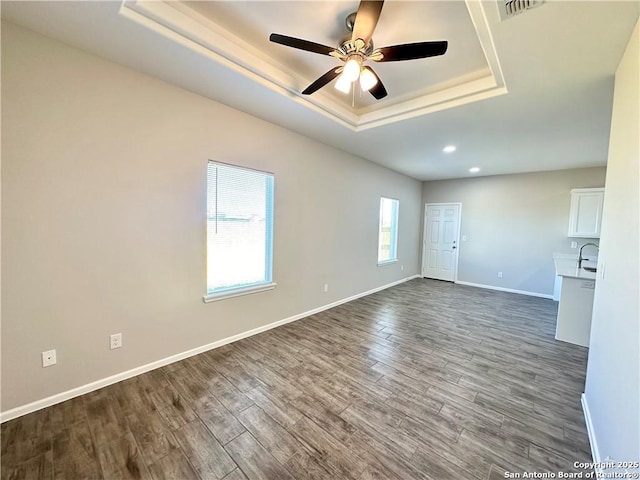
[(474, 169), (449, 149)]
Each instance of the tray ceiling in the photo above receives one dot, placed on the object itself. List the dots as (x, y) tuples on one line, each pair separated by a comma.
[(522, 94), (239, 32)]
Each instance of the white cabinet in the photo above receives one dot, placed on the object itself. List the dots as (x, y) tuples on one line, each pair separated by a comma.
[(557, 288), (575, 310), (586, 212)]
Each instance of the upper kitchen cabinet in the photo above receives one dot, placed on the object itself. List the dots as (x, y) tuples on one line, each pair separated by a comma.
[(585, 217)]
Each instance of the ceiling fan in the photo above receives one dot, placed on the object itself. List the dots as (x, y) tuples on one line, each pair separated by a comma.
[(357, 49)]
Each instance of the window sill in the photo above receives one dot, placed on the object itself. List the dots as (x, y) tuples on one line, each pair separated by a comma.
[(238, 292), (387, 262)]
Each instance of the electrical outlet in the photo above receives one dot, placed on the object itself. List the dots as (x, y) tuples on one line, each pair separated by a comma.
[(49, 358), (115, 341), (574, 244), (326, 287), (499, 274), (464, 238), (401, 267)]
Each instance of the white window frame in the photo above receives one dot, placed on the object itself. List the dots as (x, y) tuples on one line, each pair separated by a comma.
[(214, 295), (394, 231)]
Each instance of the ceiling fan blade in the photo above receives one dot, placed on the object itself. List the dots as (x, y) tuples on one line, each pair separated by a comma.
[(366, 20), (412, 51), (378, 90), (322, 81), (300, 44)]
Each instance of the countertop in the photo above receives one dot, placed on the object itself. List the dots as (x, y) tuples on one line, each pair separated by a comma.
[(567, 266)]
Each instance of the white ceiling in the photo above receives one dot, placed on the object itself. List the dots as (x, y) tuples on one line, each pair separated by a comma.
[(324, 22), (530, 93)]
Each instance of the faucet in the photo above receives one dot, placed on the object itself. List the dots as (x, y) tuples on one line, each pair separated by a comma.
[(580, 259)]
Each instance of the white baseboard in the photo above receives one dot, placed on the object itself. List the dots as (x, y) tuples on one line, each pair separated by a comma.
[(501, 289), (90, 387), (595, 453)]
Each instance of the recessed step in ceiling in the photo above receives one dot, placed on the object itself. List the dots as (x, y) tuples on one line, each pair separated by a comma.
[(231, 33)]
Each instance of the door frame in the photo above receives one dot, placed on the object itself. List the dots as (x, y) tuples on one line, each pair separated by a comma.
[(457, 235)]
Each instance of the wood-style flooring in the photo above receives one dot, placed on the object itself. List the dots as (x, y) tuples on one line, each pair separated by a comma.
[(426, 380)]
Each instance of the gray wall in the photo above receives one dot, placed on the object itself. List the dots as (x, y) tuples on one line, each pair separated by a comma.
[(612, 391), (103, 218), (513, 224)]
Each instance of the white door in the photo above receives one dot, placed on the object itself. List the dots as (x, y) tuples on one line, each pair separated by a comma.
[(440, 247)]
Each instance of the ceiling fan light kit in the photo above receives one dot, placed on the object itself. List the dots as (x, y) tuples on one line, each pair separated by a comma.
[(367, 80), (358, 49), (343, 84), (352, 68)]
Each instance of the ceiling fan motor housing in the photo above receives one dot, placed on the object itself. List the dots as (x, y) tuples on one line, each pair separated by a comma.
[(350, 47)]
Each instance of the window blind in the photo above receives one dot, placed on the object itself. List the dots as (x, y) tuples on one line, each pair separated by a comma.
[(388, 231), (239, 227)]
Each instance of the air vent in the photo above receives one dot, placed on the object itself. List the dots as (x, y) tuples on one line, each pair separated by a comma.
[(511, 8)]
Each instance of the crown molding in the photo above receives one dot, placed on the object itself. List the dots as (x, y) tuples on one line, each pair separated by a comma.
[(187, 27)]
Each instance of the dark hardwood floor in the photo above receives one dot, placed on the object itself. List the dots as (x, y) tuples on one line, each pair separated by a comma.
[(426, 380)]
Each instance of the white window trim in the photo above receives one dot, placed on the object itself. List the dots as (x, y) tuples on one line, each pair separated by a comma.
[(238, 292), (388, 262), (248, 289), (395, 259)]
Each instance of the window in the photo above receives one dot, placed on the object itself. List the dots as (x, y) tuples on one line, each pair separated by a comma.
[(239, 231), (388, 232)]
